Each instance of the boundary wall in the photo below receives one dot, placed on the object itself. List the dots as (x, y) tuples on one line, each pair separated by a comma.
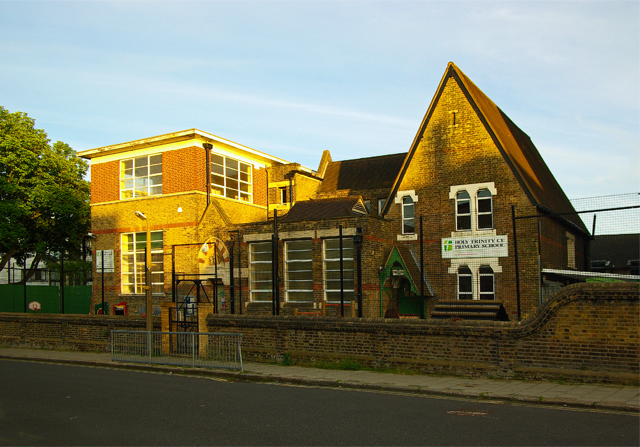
[(72, 332), (588, 332)]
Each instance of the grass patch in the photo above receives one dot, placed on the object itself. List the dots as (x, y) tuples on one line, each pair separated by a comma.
[(344, 365)]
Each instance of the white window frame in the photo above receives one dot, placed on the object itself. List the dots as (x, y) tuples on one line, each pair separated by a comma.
[(252, 274), (221, 181), (289, 265), (412, 205), (475, 264), (134, 184), (347, 265), (138, 254), (472, 190)]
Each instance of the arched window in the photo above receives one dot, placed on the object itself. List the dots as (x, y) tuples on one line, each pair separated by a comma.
[(485, 209), (408, 216), (465, 283), (486, 282), (463, 211)]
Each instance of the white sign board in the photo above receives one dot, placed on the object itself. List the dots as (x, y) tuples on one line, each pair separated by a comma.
[(108, 261), (475, 247)]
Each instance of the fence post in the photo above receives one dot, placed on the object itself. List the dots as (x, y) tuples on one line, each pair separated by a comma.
[(193, 349), (149, 344), (515, 251)]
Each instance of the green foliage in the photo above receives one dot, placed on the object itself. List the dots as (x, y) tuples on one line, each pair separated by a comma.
[(343, 364), (286, 359), (44, 199)]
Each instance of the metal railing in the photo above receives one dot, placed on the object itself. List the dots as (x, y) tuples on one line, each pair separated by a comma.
[(202, 349)]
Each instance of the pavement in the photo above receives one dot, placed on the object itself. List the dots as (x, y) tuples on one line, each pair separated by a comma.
[(577, 395)]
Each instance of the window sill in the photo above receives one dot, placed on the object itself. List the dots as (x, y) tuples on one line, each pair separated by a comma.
[(407, 237)]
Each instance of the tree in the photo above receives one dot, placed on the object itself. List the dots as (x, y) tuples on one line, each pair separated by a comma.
[(44, 199)]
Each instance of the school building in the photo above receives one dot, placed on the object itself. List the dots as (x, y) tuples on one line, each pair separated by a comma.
[(425, 232)]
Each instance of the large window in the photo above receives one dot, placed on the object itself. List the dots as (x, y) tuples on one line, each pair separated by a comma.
[(230, 178), (473, 206), (408, 215), (332, 269), (141, 177), (299, 270), (133, 249), (260, 261)]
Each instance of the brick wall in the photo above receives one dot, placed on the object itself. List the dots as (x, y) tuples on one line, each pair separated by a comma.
[(73, 332), (105, 182), (184, 170), (588, 332)]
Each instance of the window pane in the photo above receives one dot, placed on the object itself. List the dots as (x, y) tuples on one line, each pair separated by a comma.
[(141, 172), (141, 161), (155, 180), (409, 226), (300, 296), (484, 205), (128, 165), (217, 159), (486, 283), (217, 180), (485, 221), (464, 222), (155, 169), (464, 283), (464, 207), (231, 173), (231, 163), (155, 159), (217, 169)]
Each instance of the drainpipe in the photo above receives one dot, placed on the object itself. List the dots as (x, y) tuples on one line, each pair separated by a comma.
[(207, 147), (290, 192)]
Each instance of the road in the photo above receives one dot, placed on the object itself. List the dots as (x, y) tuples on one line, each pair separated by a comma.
[(49, 404)]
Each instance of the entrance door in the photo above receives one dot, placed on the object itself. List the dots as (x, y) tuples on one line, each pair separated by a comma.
[(410, 304)]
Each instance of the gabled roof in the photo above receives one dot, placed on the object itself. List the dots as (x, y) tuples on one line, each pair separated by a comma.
[(362, 173), (325, 209), (404, 255), (515, 146)]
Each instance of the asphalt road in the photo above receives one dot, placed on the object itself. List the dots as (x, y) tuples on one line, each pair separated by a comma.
[(48, 404)]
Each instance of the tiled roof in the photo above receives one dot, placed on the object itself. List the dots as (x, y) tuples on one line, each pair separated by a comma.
[(516, 147), (362, 173), (324, 209)]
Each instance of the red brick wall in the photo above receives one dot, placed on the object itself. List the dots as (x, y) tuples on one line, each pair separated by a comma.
[(260, 187), (184, 170), (105, 178)]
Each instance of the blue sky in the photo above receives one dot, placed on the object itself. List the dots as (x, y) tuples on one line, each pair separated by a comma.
[(356, 77)]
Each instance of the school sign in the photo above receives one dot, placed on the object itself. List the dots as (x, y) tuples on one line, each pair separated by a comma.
[(475, 247)]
